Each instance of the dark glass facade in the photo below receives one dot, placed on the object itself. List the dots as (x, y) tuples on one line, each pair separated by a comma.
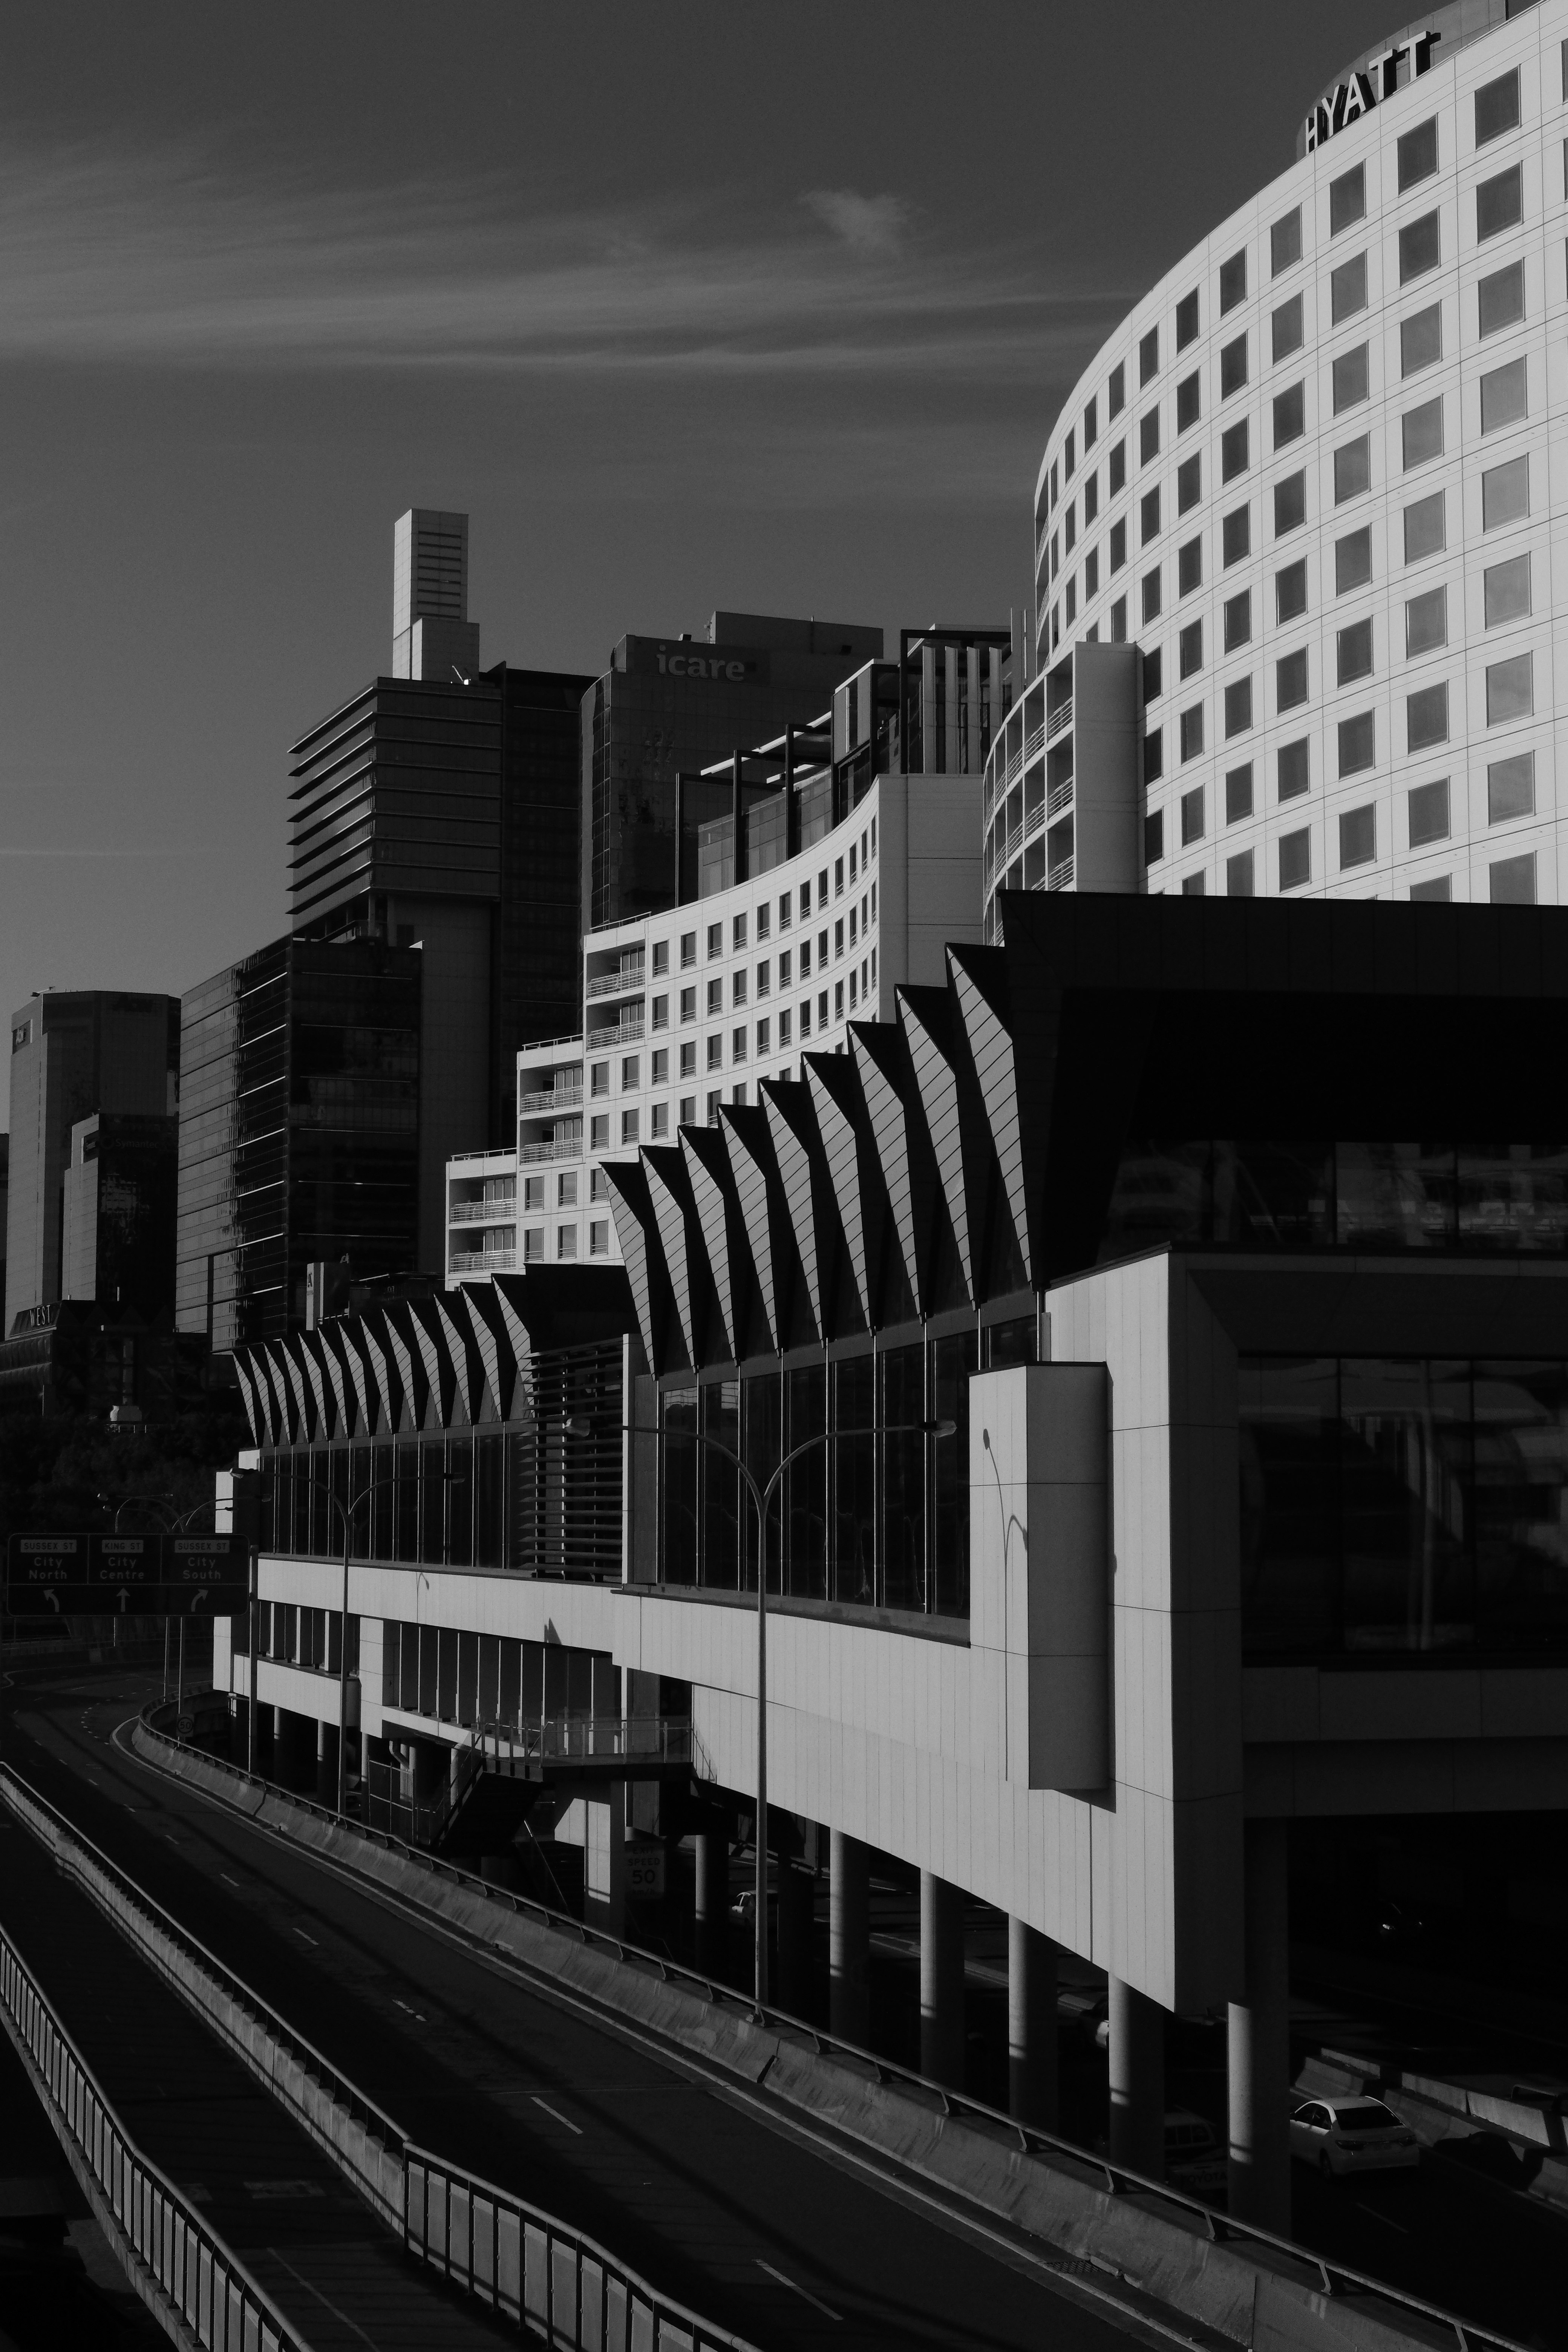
[(299, 1130)]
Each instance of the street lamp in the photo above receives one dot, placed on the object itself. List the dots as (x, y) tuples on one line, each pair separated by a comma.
[(579, 1426)]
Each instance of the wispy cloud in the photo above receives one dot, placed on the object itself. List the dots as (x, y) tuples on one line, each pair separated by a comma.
[(161, 258)]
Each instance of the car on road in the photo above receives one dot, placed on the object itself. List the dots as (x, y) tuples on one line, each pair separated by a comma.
[(1359, 2135)]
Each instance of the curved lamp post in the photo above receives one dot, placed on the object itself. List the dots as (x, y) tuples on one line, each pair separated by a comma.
[(579, 1426)]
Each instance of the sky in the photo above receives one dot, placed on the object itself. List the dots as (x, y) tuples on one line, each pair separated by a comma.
[(723, 305)]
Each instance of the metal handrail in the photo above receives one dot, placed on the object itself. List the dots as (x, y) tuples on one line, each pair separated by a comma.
[(1060, 717), (531, 1155), (544, 1099), (630, 981), (483, 1260), (484, 1213), (164, 2232), (1120, 2179), (619, 1033)]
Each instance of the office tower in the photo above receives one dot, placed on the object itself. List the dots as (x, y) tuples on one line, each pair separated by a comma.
[(74, 1052), (439, 807), (669, 706), (299, 1130), (118, 1244)]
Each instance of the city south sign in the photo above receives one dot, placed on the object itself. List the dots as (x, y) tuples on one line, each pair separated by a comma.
[(1364, 90)]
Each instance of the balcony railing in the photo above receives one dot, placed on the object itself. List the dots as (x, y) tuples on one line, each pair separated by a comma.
[(535, 1155), (487, 1261), (1058, 720), (1061, 795), (1060, 877), (483, 1213), (620, 1033), (545, 1100), (628, 981), (1033, 743)]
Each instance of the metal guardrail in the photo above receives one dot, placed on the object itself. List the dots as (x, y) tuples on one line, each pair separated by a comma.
[(619, 1033), (484, 1213), (630, 981), (535, 1155), (485, 1261), (1335, 2279), (194, 2272), (545, 1100), (514, 1752), (1060, 717)]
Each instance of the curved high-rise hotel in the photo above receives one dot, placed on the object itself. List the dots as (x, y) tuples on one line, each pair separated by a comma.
[(1294, 527)]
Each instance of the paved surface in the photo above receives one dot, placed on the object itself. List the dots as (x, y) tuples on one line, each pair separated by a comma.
[(740, 2219)]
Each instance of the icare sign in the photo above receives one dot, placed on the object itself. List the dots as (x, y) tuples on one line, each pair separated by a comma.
[(701, 666), (1366, 89)]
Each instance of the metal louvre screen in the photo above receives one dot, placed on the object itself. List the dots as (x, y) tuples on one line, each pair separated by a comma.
[(565, 1499)]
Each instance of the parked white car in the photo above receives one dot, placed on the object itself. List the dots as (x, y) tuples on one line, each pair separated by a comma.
[(1360, 2135)]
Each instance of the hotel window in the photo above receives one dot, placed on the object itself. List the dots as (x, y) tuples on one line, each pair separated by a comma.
[(1347, 288), (1150, 594), (714, 1099), (1238, 794), (1191, 643), (822, 1009), (1154, 837), (1427, 621), (1295, 859), (1426, 718), (764, 977), (1437, 887), (854, 924), (628, 1127), (1236, 536), (715, 941), (1425, 527), (1189, 483), (1418, 154), (1118, 622), (661, 1011), (1233, 367), (764, 921), (1420, 247), (1187, 321), (1232, 282), (1290, 591), (1511, 788), (1347, 199), (688, 1058), (532, 1195), (784, 912), (783, 1030), (1512, 881), (838, 877), (1191, 731), (1497, 107), (1290, 680), (1510, 690), (737, 988), (599, 1231), (1148, 437), (1149, 356), (1500, 203), (598, 1184), (1350, 377), (764, 1032), (1285, 241), (738, 1046), (805, 958), (1237, 620), (737, 934), (1289, 414), (715, 997), (1116, 391), (1499, 300), (687, 1113), (1188, 401), (1352, 469), (1239, 875), (566, 1235), (1237, 708), (1189, 567), (785, 973), (1358, 835), (1091, 573), (629, 1079), (533, 1244), (1505, 493), (804, 1020), (1149, 516), (1353, 560), (1090, 426), (1289, 504), (660, 1071), (1352, 652), (1153, 755), (1506, 589), (599, 1078), (1116, 469), (822, 888), (1421, 340), (1069, 458), (1503, 399), (660, 957), (1154, 674), (1235, 450), (599, 1134), (1090, 500), (837, 942), (1118, 544), (738, 1095), (839, 1000), (1421, 434), (1293, 769), (687, 950), (1192, 816), (1287, 331), (716, 1052), (1426, 811)]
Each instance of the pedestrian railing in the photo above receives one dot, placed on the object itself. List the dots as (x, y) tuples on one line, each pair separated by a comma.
[(185, 2268)]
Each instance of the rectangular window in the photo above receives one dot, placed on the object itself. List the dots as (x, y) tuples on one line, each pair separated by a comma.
[(1150, 593), (1497, 107), (660, 1071), (688, 1058), (1421, 434), (1188, 401), (1148, 437), (1295, 859), (738, 1044), (1237, 708), (599, 1133), (1069, 458), (1191, 731), (1187, 321), (1193, 886), (1427, 621), (661, 1011), (1353, 560), (1510, 690), (1352, 469), (1238, 794), (1426, 718), (1437, 888), (1072, 600), (1149, 356), (738, 933), (1358, 743), (1091, 573), (1294, 768), (1358, 835), (1153, 755), (1235, 450), (1118, 544), (1500, 203), (1090, 426), (1506, 588), (1511, 788), (1154, 837), (1238, 620), (1233, 367), (1191, 643), (687, 950), (1500, 298), (1239, 875), (1421, 340), (1513, 882), (630, 1080), (1352, 652), (1417, 152), (1290, 680), (1350, 379), (1425, 527), (1189, 483), (1153, 666), (628, 1127), (1232, 282), (738, 988), (716, 1053), (715, 941), (784, 1021), (1192, 816), (1289, 414), (1285, 241), (764, 978), (1420, 247), (1236, 535), (1347, 288), (1118, 622), (786, 968), (1189, 567), (1290, 591), (1149, 516), (1289, 504), (1116, 391), (660, 957), (785, 904), (1505, 493), (715, 996), (687, 1112), (1347, 199), (1116, 469), (764, 920), (1428, 808), (1287, 330), (1503, 396)]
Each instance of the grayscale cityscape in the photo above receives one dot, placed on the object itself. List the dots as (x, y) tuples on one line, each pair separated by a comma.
[(632, 1212)]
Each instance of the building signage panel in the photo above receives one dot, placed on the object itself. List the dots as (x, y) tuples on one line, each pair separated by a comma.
[(682, 658), (145, 1576), (1364, 90)]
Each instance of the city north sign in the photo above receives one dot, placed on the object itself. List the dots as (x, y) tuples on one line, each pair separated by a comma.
[(1364, 90)]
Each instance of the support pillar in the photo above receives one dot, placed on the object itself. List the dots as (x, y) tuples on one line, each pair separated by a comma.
[(1032, 2075), (1137, 2038), (849, 1937), (712, 1856), (326, 1763), (605, 1861), (942, 1981), (796, 1885), (1258, 2052)]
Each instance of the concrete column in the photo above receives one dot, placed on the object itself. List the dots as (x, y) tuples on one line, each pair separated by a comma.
[(1259, 2039), (326, 1763), (1031, 2025), (793, 1987), (295, 1740), (849, 1937), (605, 1861), (712, 1854), (1137, 2080), (941, 1980)]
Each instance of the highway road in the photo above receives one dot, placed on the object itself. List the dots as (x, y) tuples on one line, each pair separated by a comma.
[(741, 2218)]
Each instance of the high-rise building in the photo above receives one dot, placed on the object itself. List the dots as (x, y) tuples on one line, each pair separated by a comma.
[(439, 807), (74, 1052), (669, 706), (118, 1242), (299, 1130)]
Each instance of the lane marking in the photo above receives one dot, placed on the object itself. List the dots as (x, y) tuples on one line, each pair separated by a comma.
[(1383, 2218), (794, 2286), (227, 1880), (321, 2299), (402, 2005), (307, 1939), (558, 2116)]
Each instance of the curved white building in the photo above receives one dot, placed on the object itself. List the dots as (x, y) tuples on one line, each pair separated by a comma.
[(1312, 484)]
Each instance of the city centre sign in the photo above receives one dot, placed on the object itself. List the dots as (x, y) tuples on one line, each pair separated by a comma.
[(1365, 89)]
